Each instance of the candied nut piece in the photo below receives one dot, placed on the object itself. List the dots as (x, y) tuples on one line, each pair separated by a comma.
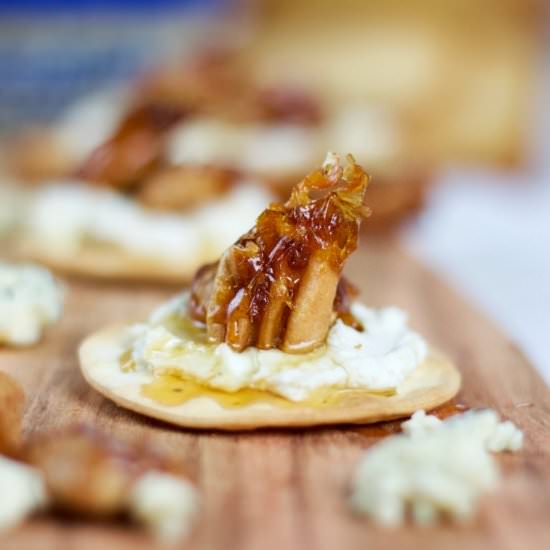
[(277, 285), (12, 400), (312, 312), (135, 149), (397, 197), (89, 473), (185, 187), (201, 290), (345, 293)]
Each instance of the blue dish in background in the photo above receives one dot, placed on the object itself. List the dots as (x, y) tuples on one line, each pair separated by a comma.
[(53, 52)]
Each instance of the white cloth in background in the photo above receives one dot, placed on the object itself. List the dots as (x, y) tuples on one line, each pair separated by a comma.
[(489, 234)]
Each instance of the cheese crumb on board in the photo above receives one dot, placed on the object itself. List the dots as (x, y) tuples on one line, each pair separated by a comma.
[(22, 490), (30, 300), (167, 505), (434, 469)]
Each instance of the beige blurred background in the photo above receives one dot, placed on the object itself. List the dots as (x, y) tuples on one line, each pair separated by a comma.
[(461, 72)]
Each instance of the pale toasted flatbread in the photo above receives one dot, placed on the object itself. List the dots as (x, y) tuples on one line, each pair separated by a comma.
[(433, 383), (109, 262)]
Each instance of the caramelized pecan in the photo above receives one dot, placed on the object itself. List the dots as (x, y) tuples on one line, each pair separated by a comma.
[(87, 472), (279, 285), (135, 149)]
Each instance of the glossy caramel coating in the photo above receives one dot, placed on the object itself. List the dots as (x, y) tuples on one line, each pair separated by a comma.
[(214, 84), (277, 286), (135, 149)]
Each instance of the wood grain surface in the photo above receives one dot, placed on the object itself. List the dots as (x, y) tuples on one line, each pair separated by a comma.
[(288, 489)]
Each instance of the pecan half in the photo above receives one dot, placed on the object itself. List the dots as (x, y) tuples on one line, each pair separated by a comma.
[(279, 285)]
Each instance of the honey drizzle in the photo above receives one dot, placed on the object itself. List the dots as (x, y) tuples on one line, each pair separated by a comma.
[(170, 389)]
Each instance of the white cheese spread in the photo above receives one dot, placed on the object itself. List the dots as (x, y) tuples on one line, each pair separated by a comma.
[(30, 299), (69, 216), (167, 505), (22, 490), (277, 148), (483, 425), (379, 358), (434, 469)]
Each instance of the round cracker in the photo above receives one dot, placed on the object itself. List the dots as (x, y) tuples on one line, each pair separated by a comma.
[(109, 263), (430, 385)]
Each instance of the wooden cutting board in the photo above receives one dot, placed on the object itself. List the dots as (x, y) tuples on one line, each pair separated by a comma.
[(288, 489)]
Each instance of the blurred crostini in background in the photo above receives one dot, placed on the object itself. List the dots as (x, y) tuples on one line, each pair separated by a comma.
[(265, 89)]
